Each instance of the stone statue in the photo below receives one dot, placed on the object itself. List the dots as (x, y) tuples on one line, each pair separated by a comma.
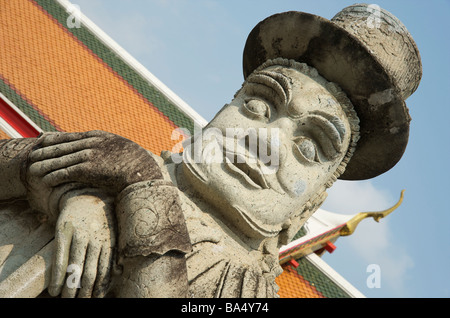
[(322, 100)]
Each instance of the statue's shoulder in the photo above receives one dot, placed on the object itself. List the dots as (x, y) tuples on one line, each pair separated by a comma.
[(150, 216), (219, 266)]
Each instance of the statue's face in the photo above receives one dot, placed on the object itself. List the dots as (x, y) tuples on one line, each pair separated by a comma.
[(301, 135)]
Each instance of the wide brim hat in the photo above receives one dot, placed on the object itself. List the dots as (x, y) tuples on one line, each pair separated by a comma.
[(370, 54)]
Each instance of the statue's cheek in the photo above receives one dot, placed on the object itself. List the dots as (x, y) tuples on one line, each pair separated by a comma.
[(292, 179)]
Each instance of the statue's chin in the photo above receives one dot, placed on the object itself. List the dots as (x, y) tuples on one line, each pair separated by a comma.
[(238, 216), (261, 230)]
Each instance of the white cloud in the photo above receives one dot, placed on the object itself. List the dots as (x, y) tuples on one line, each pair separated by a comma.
[(372, 242), (350, 197), (130, 28)]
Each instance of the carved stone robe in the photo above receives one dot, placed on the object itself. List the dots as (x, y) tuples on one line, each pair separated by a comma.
[(220, 264)]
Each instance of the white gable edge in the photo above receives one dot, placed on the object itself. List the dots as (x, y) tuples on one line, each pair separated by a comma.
[(138, 67)]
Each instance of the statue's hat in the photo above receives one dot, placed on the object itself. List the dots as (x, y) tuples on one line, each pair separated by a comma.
[(370, 54)]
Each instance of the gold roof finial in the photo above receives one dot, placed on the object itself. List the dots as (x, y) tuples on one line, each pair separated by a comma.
[(351, 225)]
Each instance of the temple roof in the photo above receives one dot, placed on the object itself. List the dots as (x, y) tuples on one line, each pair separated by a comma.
[(78, 79), (59, 78)]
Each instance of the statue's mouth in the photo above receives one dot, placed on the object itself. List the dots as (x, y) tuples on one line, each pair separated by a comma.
[(265, 230), (247, 169)]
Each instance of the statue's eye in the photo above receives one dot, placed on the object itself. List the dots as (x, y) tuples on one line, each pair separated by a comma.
[(257, 109), (306, 149)]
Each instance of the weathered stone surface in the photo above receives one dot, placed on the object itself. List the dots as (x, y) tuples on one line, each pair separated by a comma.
[(373, 58), (128, 223)]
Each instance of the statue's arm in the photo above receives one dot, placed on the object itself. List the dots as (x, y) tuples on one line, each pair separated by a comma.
[(13, 160), (154, 276), (153, 241), (94, 158), (32, 168)]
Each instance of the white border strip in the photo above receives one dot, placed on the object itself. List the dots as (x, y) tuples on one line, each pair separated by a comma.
[(11, 132), (334, 276), (138, 67), (7, 127)]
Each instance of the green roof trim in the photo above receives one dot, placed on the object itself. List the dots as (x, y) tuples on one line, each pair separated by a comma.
[(108, 56), (26, 107), (302, 232), (319, 280)]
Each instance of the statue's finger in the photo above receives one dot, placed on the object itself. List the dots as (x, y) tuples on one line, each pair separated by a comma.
[(104, 272), (75, 173), (63, 238), (58, 150), (61, 137), (89, 271), (75, 267), (41, 168), (54, 138)]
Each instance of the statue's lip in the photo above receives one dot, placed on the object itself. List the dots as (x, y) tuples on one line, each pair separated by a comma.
[(264, 230), (250, 172), (194, 171)]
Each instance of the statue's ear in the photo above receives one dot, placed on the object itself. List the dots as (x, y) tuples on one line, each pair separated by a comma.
[(298, 219)]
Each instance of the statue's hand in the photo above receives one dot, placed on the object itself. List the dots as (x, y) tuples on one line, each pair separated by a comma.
[(95, 158), (85, 238)]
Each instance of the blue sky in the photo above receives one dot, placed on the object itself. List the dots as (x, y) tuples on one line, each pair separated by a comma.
[(195, 48)]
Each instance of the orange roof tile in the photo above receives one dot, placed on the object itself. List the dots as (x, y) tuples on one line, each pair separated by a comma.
[(66, 81), (293, 285), (3, 135)]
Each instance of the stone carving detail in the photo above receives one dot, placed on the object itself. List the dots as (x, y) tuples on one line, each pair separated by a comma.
[(210, 223), (150, 216)]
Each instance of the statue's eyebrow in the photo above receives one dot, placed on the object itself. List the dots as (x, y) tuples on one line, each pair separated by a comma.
[(280, 83), (332, 127)]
